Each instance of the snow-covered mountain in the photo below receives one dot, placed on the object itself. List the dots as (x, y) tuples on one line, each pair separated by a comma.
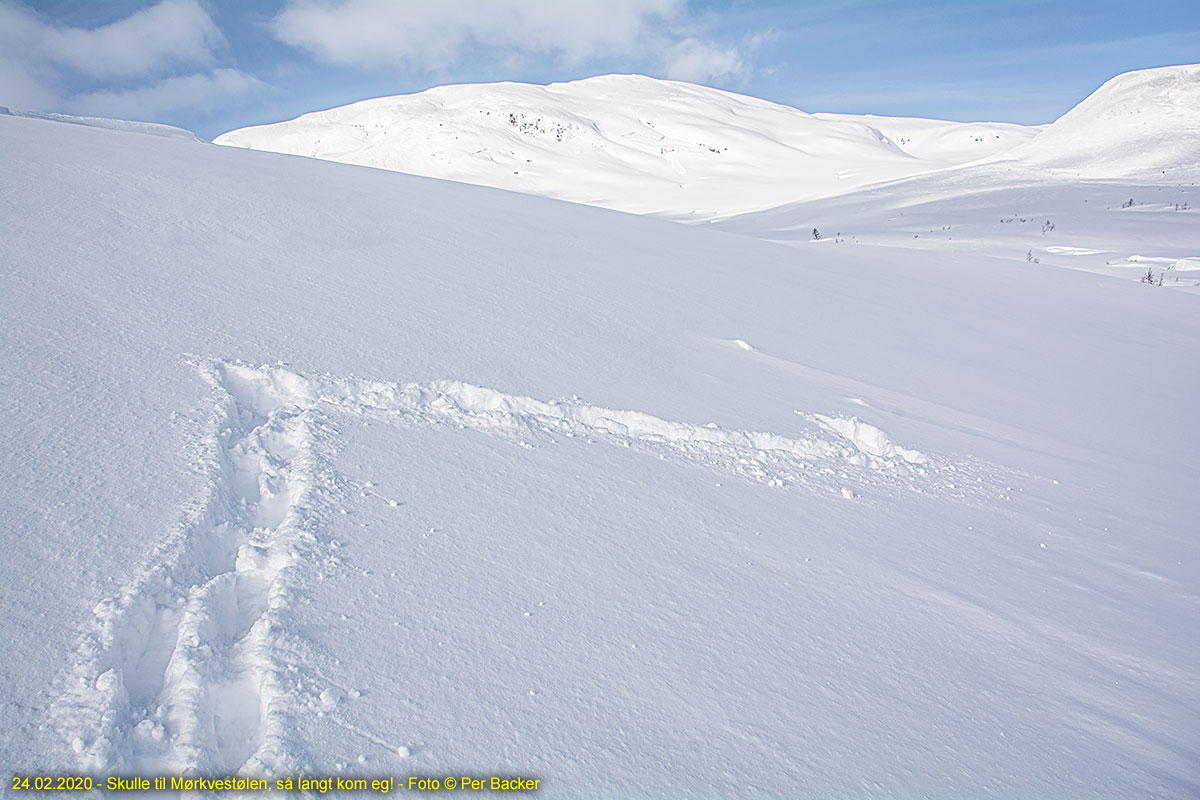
[(311, 469), (651, 146), (1141, 125), (631, 143), (1109, 188)]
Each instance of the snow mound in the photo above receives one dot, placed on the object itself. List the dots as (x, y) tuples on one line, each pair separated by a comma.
[(869, 439), (127, 126), (1143, 124), (630, 143)]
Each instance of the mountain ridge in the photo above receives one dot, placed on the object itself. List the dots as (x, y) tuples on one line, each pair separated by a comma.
[(630, 143), (1142, 124), (682, 151)]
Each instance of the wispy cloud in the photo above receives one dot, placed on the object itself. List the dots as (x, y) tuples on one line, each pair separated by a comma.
[(196, 91), (172, 33), (698, 61), (157, 58), (654, 35), (408, 33)]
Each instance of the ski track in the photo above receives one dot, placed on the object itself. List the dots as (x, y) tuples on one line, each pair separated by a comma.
[(177, 674), (184, 670)]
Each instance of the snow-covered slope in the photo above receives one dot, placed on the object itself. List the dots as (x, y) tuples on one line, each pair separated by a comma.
[(1142, 125), (1117, 228), (630, 142), (941, 142), (689, 152), (147, 128), (316, 469), (1109, 188)]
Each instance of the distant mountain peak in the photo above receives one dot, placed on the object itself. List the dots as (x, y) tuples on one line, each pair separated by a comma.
[(630, 142), (1140, 124)]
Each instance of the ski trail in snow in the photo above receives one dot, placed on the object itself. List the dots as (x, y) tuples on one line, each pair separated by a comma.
[(181, 671), (834, 450), (177, 673)]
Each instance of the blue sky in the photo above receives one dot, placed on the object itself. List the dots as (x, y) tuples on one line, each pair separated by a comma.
[(215, 65)]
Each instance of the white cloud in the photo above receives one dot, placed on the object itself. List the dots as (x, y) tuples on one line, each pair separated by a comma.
[(434, 35), (158, 58), (649, 35), (198, 91), (22, 88), (170, 34), (697, 61)]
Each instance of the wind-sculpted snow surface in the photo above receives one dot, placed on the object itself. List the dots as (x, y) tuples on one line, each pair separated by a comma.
[(181, 671)]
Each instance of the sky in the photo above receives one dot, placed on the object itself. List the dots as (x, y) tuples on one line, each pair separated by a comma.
[(214, 65)]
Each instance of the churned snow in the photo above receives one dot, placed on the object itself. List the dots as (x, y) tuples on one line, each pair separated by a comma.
[(318, 469)]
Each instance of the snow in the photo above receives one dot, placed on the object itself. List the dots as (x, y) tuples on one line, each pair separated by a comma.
[(942, 142), (1142, 125), (631, 143), (147, 128), (1009, 216), (1032, 193), (1106, 188), (317, 469)]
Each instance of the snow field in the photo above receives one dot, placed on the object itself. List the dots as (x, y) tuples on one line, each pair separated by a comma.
[(830, 521), (182, 673), (981, 211)]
